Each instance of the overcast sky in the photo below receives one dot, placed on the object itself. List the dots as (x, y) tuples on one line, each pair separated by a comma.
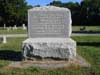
[(45, 2)]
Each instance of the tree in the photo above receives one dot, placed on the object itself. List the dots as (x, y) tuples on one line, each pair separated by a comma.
[(13, 11), (56, 3), (85, 13), (74, 7), (90, 12)]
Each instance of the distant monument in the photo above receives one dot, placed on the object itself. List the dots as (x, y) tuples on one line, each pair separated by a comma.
[(49, 31), (4, 40), (4, 26), (15, 27), (24, 27)]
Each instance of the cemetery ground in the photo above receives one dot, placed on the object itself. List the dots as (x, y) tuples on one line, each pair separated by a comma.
[(87, 28), (19, 30), (87, 46)]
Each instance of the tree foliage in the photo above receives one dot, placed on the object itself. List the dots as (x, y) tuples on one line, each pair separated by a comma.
[(87, 12), (13, 12)]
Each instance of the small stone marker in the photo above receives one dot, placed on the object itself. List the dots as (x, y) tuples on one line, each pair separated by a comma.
[(4, 39), (49, 31), (9, 28), (24, 27), (15, 27), (4, 26)]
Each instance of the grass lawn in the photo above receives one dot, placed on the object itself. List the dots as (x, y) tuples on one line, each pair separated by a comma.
[(11, 31), (21, 31), (90, 52), (88, 28)]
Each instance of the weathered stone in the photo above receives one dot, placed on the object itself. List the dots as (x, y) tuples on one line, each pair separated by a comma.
[(24, 27), (4, 26), (49, 31), (62, 48), (49, 21), (4, 39), (15, 27)]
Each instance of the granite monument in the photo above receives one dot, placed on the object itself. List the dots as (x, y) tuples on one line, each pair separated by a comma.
[(49, 31)]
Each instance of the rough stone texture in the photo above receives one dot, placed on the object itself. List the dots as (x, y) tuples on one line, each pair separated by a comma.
[(46, 64), (62, 48), (49, 21), (49, 31)]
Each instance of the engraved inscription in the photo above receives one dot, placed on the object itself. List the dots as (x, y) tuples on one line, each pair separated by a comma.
[(47, 23)]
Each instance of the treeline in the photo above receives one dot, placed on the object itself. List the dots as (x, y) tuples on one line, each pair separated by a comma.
[(13, 12), (87, 12)]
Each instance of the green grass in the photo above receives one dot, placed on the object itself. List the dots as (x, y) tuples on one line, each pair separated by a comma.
[(92, 55), (11, 31), (87, 38), (21, 31), (88, 28), (89, 52), (12, 44)]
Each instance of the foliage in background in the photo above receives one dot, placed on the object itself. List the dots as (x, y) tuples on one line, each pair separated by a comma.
[(13, 12), (87, 12)]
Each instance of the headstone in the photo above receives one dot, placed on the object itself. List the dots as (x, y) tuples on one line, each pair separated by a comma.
[(49, 31), (9, 28), (49, 22), (4, 26), (24, 27), (15, 27), (4, 39)]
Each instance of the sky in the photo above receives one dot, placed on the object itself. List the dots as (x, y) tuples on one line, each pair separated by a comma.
[(45, 2)]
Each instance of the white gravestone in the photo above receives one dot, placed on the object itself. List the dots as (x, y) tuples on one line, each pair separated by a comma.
[(4, 26), (15, 27), (49, 31), (24, 27), (9, 28), (4, 39)]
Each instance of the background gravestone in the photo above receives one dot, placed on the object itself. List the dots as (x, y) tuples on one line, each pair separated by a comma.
[(49, 31), (24, 27)]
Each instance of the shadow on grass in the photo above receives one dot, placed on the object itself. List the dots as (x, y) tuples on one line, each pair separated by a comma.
[(10, 55), (97, 44)]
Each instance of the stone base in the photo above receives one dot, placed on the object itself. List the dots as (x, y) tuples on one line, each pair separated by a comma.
[(53, 48), (78, 61)]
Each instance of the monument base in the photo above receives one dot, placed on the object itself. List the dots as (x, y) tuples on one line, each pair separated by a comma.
[(78, 61), (53, 48)]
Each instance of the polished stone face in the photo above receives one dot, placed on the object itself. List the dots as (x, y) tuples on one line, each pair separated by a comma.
[(50, 23)]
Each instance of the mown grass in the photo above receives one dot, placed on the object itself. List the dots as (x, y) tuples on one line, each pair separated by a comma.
[(21, 31), (13, 31), (10, 49), (86, 38), (90, 52), (37, 71), (88, 28), (12, 44)]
